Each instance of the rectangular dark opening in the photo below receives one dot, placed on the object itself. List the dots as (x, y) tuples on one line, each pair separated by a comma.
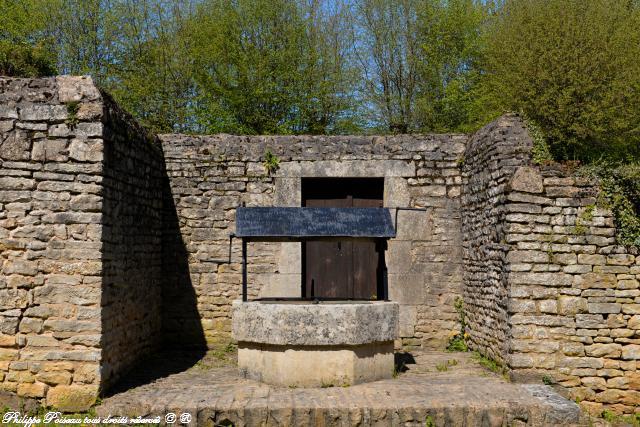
[(349, 269)]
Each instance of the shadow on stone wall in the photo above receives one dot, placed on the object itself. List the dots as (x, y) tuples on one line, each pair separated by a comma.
[(181, 325), (145, 269)]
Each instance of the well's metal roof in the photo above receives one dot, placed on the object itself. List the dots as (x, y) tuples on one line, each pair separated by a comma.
[(313, 222)]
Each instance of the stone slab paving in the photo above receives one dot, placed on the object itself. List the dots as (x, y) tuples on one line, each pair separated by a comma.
[(446, 389)]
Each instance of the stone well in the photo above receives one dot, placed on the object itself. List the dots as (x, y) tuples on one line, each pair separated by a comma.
[(306, 344)]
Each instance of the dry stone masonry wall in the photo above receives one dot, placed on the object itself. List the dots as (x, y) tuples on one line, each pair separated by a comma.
[(132, 190), (490, 160), (210, 176), (60, 268), (548, 290), (113, 241)]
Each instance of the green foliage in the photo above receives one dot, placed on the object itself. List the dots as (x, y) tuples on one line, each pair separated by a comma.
[(271, 162), (419, 62), (442, 367), (270, 66), (23, 60), (548, 380), (581, 227), (571, 66), (458, 341), (490, 364), (72, 114), (622, 420), (541, 152), (450, 49), (620, 192)]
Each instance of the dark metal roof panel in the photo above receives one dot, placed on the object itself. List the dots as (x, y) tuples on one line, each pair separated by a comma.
[(313, 222)]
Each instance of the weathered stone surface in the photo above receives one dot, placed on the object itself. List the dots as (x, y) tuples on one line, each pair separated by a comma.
[(81, 228), (72, 398), (603, 350), (76, 88), (80, 238), (631, 352), (302, 366), (315, 324), (568, 305), (32, 390), (527, 180), (464, 394)]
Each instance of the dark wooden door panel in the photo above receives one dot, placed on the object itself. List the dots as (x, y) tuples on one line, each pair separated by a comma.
[(365, 259), (328, 264), (345, 269)]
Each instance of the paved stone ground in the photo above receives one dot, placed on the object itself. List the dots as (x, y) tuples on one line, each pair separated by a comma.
[(448, 389)]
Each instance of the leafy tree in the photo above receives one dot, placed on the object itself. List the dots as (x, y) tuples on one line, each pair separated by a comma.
[(268, 66), (571, 66), (24, 48), (450, 47), (387, 37), (23, 60)]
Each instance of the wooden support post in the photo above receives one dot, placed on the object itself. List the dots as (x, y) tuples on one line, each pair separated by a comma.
[(244, 270), (385, 276)]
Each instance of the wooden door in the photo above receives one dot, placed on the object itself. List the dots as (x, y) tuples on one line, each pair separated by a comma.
[(347, 269)]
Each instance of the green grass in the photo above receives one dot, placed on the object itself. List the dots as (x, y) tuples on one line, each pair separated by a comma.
[(620, 420), (444, 367), (490, 364)]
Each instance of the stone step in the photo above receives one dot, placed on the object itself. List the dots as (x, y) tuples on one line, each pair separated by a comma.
[(457, 396)]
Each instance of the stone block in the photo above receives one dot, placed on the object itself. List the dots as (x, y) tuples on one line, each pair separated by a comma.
[(628, 284), (604, 308), (312, 367), (281, 285), (595, 281), (396, 192), (548, 306), (30, 325), (555, 279), (398, 257), (407, 288), (594, 383), (76, 88), (287, 192), (631, 308), (72, 398), (414, 225), (86, 151), (54, 377), (43, 112), (570, 305), (603, 350), (327, 323), (407, 320), (620, 259), (33, 390), (631, 352), (527, 180), (16, 146), (590, 321)]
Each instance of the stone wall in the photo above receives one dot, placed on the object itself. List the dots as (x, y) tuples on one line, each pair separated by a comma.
[(490, 160), (568, 296), (106, 248), (211, 175), (61, 247), (132, 189)]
